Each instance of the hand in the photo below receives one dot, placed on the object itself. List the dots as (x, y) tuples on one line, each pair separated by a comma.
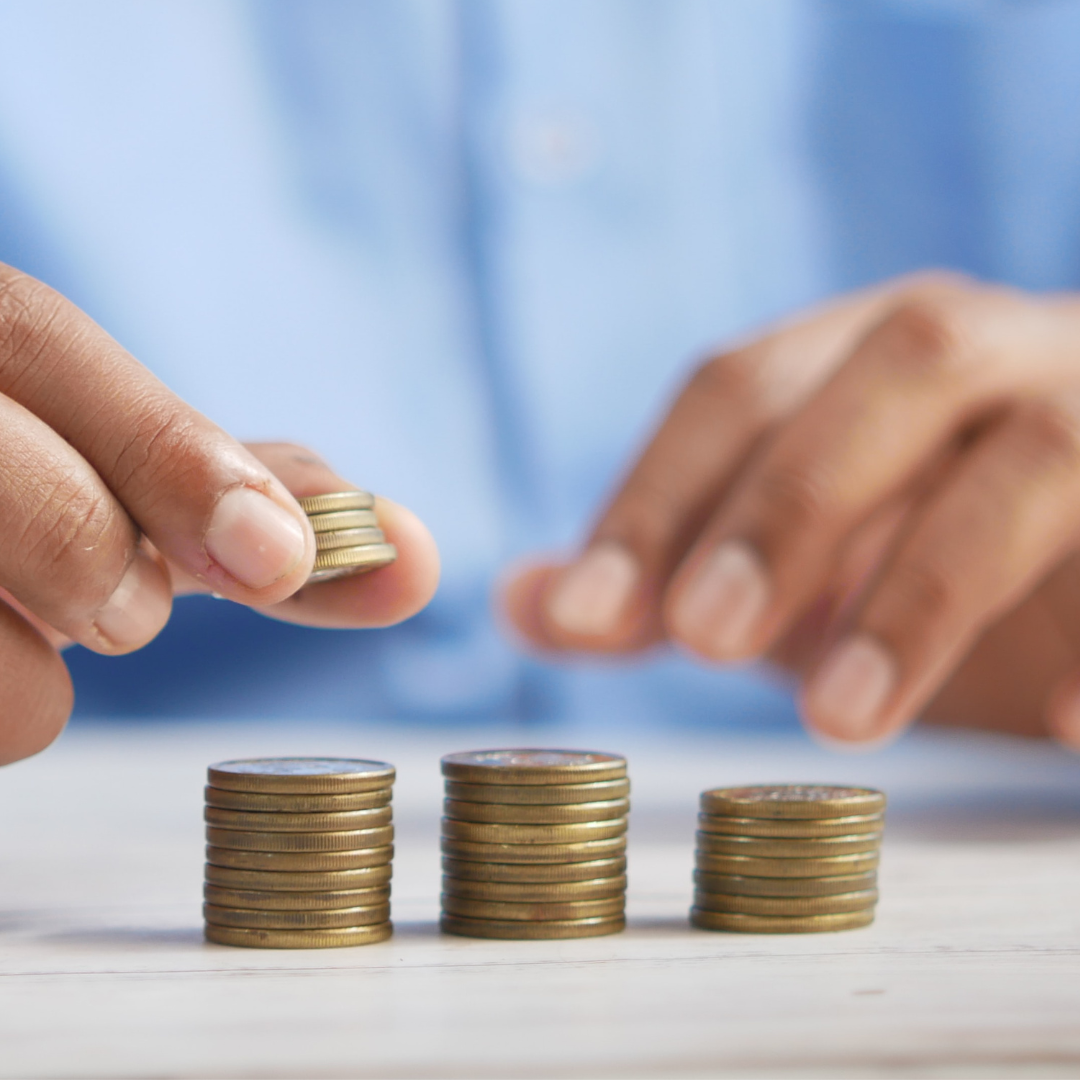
[(113, 489), (883, 497)]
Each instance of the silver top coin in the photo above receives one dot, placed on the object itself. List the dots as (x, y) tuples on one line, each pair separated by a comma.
[(532, 766), (303, 775)]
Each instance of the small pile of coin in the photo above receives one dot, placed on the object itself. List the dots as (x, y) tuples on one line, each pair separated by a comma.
[(787, 858), (299, 852), (348, 539), (534, 844)]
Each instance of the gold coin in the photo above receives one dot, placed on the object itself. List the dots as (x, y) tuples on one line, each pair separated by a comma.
[(334, 520), (297, 881), (535, 912), (522, 767), (296, 920), (263, 821), (773, 848), (551, 929), (733, 885), (532, 834), (515, 814), (362, 557), (298, 939), (553, 892), (779, 924), (353, 840), (258, 802), (534, 874), (347, 538), (301, 776), (746, 866), (791, 829), (337, 500), (585, 851), (792, 801), (792, 905), (538, 794), (299, 861), (294, 901)]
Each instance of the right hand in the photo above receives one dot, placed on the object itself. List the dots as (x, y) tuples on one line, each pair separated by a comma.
[(112, 488)]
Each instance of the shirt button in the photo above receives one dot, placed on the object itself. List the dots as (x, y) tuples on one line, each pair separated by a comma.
[(553, 149)]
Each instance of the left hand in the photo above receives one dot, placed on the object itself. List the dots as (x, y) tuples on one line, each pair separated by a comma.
[(883, 496)]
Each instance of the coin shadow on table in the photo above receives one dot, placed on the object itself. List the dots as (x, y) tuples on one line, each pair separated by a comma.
[(127, 937), (416, 929), (987, 817)]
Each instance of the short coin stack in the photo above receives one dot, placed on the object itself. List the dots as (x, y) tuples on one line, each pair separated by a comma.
[(348, 539), (787, 858), (534, 844), (299, 852)]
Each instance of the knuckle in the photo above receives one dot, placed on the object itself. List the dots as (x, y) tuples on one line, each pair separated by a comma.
[(730, 376), (158, 447), (796, 497), (1047, 435), (927, 337), (27, 309), (923, 592), (77, 539)]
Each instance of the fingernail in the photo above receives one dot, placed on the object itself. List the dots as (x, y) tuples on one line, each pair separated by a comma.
[(846, 696), (253, 539), (591, 594), (724, 600), (138, 608)]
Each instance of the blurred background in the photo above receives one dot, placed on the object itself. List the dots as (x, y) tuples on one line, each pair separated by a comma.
[(468, 249)]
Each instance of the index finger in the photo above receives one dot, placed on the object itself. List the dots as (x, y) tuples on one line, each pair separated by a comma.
[(204, 501)]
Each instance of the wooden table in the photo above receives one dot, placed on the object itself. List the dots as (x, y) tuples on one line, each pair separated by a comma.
[(972, 968)]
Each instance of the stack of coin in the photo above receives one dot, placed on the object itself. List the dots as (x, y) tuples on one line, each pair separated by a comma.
[(298, 853), (787, 858), (534, 844), (348, 539)]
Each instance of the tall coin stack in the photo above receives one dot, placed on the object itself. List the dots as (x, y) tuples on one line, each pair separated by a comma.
[(787, 858), (299, 852), (534, 844), (348, 539)]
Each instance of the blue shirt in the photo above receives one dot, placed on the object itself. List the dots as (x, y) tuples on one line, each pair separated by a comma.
[(468, 250)]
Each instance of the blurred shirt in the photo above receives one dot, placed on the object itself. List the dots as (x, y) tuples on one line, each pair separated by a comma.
[(468, 250)]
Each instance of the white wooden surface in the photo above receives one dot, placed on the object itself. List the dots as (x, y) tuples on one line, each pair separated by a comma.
[(972, 969)]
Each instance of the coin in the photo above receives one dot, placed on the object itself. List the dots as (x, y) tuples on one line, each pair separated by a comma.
[(263, 821), (746, 866), (535, 853), (533, 873), (551, 929), (538, 794), (365, 556), (343, 519), (260, 802), (791, 829), (510, 813), (301, 776), (793, 801), (298, 881), (515, 892), (298, 939), (296, 920), (532, 834), (342, 538), (279, 900), (296, 861), (779, 924), (337, 500), (773, 848), (521, 767), (733, 885), (536, 912), (353, 840), (792, 905)]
